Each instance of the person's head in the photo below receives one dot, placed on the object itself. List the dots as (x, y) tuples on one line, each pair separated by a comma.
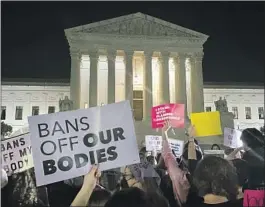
[(132, 197), (252, 138), (228, 151), (129, 197), (215, 147), (242, 171), (217, 176), (151, 160), (99, 197), (148, 184), (129, 180)]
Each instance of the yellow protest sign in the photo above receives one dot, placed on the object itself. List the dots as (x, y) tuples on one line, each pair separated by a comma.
[(207, 123)]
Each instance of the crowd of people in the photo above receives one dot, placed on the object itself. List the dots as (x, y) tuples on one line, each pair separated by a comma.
[(160, 180)]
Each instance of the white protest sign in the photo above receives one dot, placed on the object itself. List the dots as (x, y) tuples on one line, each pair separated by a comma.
[(153, 143), (232, 138), (219, 153), (65, 144), (16, 154), (177, 146)]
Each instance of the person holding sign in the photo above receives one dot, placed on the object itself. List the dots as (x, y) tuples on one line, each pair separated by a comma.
[(90, 181), (178, 177)]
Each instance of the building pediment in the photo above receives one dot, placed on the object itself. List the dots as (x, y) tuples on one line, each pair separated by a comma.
[(137, 24)]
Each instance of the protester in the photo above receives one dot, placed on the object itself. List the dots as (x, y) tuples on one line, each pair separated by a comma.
[(22, 191), (132, 197), (216, 181), (99, 197), (235, 153), (178, 177), (190, 163), (159, 180), (90, 181), (143, 176), (127, 197), (215, 147), (242, 173), (4, 178), (253, 142)]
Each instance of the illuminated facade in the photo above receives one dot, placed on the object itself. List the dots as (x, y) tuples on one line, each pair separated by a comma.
[(138, 58), (23, 98)]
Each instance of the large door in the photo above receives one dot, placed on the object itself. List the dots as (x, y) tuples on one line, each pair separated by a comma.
[(138, 105)]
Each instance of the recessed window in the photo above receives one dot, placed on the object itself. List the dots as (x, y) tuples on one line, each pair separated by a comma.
[(261, 112), (208, 109), (235, 112), (19, 113), (248, 112), (3, 112), (51, 109), (35, 110)]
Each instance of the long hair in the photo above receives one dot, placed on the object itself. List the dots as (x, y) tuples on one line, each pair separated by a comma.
[(253, 138), (215, 175)]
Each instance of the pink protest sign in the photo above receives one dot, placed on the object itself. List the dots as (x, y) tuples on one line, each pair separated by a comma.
[(172, 112), (254, 198)]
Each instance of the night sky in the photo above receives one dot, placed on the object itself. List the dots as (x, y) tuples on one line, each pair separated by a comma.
[(34, 45)]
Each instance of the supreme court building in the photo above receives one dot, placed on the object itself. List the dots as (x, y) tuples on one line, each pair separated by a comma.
[(138, 58)]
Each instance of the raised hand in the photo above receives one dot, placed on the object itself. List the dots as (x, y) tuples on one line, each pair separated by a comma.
[(191, 131), (166, 126), (90, 182), (91, 179)]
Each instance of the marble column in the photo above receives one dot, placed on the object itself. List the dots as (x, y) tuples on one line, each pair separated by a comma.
[(147, 90), (93, 79), (164, 78), (75, 78), (196, 79), (111, 76), (180, 80), (128, 58)]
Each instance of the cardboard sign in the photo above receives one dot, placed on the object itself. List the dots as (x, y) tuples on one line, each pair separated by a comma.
[(66, 144), (219, 153), (172, 112), (16, 154), (207, 123), (232, 138), (177, 146), (153, 143), (254, 198)]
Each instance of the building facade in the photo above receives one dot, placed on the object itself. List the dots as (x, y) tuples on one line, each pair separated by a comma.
[(138, 58), (23, 99)]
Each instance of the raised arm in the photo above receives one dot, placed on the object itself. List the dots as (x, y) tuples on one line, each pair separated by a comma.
[(178, 177), (90, 181)]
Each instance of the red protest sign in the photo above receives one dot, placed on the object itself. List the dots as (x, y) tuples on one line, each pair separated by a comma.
[(254, 198), (172, 112)]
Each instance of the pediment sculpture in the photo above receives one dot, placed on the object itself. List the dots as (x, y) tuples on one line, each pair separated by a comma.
[(137, 26)]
